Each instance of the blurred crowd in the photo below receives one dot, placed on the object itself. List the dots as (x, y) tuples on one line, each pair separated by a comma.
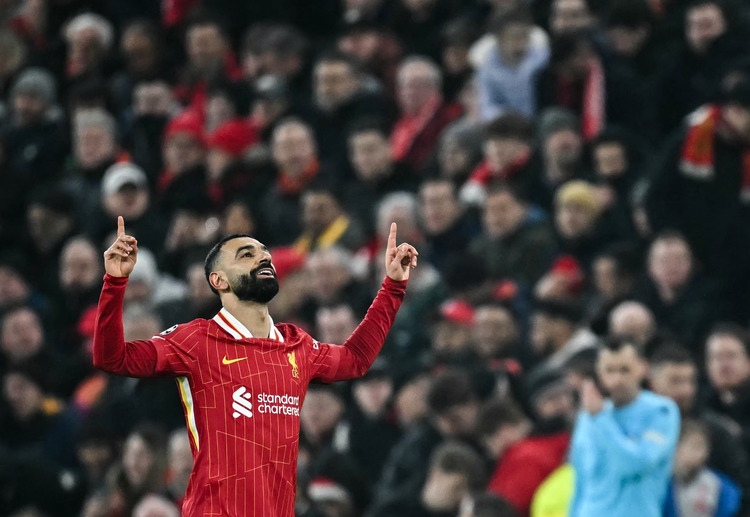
[(569, 170)]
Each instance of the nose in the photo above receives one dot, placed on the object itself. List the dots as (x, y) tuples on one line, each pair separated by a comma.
[(266, 260)]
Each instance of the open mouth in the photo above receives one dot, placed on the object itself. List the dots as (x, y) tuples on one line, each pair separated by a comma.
[(266, 272)]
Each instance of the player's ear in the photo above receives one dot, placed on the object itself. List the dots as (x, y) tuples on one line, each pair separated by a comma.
[(218, 281)]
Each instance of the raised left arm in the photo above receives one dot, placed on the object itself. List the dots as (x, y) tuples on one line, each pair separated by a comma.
[(356, 355)]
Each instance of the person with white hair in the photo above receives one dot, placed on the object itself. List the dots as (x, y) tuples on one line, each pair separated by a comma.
[(633, 319), (89, 38), (296, 157), (403, 207), (79, 280), (94, 138), (408, 335), (95, 148), (423, 112), (149, 286)]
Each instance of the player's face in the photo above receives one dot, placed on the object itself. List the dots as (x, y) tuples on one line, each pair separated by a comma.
[(621, 374), (249, 270)]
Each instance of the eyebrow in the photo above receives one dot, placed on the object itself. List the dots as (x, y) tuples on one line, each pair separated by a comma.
[(248, 247)]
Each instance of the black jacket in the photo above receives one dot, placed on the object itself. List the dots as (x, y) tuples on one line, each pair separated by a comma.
[(710, 212), (405, 472)]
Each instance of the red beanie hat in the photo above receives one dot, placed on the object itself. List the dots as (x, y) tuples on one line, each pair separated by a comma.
[(457, 311), (186, 122), (233, 137), (569, 268)]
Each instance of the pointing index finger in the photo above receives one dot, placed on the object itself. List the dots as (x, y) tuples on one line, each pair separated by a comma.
[(392, 237), (120, 226)]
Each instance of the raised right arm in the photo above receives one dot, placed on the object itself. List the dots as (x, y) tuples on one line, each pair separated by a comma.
[(111, 353)]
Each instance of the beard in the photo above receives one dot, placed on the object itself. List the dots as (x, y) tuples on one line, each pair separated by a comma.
[(250, 288)]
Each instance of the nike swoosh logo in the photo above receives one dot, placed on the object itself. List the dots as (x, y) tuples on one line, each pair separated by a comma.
[(232, 361)]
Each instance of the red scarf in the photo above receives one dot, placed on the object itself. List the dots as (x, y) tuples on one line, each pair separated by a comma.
[(165, 179), (409, 127), (697, 159), (173, 12), (594, 101), (592, 98), (290, 185), (484, 175), (215, 191), (195, 95)]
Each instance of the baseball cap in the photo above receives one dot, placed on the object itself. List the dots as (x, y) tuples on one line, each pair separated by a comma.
[(121, 174)]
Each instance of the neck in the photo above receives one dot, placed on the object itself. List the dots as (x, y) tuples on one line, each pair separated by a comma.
[(667, 293), (253, 315), (625, 401)]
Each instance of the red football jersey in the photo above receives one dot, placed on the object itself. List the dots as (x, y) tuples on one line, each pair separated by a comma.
[(241, 394)]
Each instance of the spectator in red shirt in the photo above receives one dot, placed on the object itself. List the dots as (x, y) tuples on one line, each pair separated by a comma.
[(532, 452)]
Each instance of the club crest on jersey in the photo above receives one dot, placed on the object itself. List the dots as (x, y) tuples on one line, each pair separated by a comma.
[(241, 403), (292, 357)]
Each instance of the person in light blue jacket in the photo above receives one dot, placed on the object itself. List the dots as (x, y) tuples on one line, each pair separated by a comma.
[(506, 79), (623, 446)]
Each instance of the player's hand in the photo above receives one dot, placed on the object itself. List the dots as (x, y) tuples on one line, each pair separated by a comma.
[(591, 400), (399, 260), (120, 258)]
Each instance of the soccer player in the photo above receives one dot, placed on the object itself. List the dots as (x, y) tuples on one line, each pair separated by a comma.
[(241, 377), (623, 447)]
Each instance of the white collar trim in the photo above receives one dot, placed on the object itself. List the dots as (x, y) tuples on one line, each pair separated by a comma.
[(237, 330)]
